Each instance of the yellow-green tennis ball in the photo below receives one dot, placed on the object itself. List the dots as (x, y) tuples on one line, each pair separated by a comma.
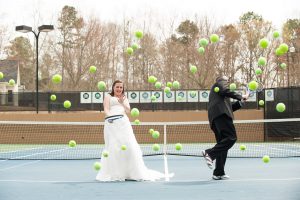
[(284, 47), (97, 166), (178, 146), (93, 69), (137, 122), (155, 147), (123, 147), (155, 134), (193, 69), (214, 38), (135, 112), (151, 130), (134, 46), (283, 66), (203, 42), (139, 34), (176, 85), (261, 102), (67, 104), (53, 97), (169, 84), (263, 43), (232, 86), (252, 85), (216, 89), (153, 97), (101, 86), (266, 159), (193, 94), (56, 78), (152, 79), (72, 143), (157, 85), (129, 51), (11, 82), (201, 50), (1, 75), (280, 107), (167, 90), (276, 34), (258, 71), (105, 154), (262, 61), (242, 147), (279, 52)]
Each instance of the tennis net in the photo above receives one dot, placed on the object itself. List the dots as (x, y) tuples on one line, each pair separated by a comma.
[(49, 140)]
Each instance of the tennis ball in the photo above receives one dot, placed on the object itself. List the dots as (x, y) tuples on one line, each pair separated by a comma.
[(155, 147), (101, 86), (123, 147), (193, 69), (232, 86), (176, 85), (276, 34), (152, 79), (56, 78), (53, 97), (157, 85), (266, 159), (72, 143), (279, 52), (155, 134), (283, 66), (67, 104), (261, 102), (178, 146), (258, 71), (242, 147), (105, 154), (262, 61), (214, 38), (167, 90), (151, 130), (153, 97), (263, 43), (193, 93), (139, 34), (203, 42), (169, 84), (129, 50), (11, 82), (134, 46), (1, 75), (201, 50), (97, 166), (280, 107), (216, 89), (284, 47), (252, 85), (135, 112), (93, 69), (137, 122)]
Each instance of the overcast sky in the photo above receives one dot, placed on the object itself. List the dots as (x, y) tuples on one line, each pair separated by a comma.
[(19, 12)]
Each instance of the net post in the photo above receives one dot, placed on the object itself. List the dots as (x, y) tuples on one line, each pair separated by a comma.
[(167, 178)]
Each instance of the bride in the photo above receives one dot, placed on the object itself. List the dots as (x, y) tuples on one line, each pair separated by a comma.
[(121, 165)]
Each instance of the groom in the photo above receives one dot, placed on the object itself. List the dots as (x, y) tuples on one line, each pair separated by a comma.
[(220, 115)]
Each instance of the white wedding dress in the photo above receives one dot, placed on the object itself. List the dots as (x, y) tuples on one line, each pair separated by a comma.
[(121, 165)]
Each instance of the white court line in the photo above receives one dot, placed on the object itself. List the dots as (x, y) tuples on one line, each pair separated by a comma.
[(169, 182)]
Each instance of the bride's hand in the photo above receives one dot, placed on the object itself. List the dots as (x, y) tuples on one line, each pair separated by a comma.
[(121, 99)]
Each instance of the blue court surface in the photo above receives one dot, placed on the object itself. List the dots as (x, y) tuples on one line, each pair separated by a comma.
[(75, 179)]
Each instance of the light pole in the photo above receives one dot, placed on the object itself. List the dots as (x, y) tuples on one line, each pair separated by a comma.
[(26, 29)]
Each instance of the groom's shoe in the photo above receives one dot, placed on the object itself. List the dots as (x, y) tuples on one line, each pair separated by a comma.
[(208, 159), (223, 177)]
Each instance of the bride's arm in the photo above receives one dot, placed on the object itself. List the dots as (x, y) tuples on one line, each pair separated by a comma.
[(126, 105), (106, 105)]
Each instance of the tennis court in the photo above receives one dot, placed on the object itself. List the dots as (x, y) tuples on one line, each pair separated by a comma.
[(37, 163)]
